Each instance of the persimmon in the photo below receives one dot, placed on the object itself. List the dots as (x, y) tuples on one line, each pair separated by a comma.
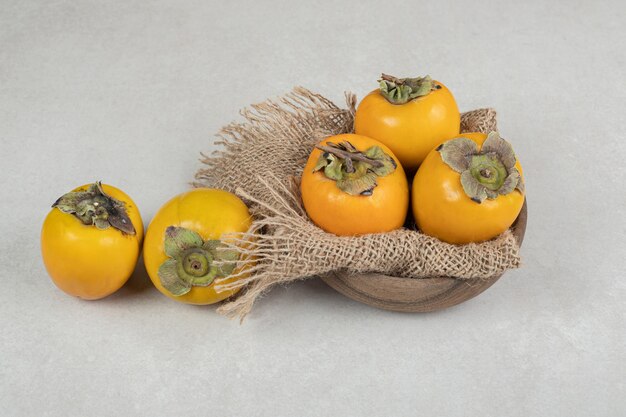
[(91, 240), (412, 116), (184, 246), (469, 189), (354, 185)]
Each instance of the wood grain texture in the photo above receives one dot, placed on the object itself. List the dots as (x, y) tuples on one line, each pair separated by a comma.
[(415, 295)]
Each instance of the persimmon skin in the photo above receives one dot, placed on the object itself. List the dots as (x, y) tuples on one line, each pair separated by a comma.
[(443, 210), (340, 213), (411, 130), (85, 261)]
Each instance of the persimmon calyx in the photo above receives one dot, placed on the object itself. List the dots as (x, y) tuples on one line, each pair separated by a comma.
[(355, 172), (403, 90), (487, 173), (193, 261), (95, 207)]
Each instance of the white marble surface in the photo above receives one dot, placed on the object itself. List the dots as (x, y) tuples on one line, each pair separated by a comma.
[(130, 91)]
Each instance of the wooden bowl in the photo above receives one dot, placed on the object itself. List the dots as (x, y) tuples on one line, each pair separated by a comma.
[(415, 295)]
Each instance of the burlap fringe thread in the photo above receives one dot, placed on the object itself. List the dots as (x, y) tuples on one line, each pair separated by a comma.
[(261, 160)]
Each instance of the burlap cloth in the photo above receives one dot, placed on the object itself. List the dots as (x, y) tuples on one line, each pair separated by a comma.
[(261, 160)]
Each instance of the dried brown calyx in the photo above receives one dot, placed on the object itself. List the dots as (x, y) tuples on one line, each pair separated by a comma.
[(193, 261), (354, 171), (487, 173), (402, 90), (95, 207)]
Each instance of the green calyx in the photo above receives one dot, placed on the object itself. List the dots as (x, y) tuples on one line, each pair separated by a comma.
[(487, 173), (95, 207), (193, 261), (403, 90), (354, 171)]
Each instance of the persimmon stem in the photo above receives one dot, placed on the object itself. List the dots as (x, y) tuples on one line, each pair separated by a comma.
[(391, 79), (350, 156)]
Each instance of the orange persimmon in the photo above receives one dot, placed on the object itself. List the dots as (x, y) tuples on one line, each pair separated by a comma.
[(412, 116), (353, 185), (470, 189)]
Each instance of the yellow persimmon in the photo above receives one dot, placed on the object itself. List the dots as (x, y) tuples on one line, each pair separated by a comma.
[(183, 250), (91, 240)]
